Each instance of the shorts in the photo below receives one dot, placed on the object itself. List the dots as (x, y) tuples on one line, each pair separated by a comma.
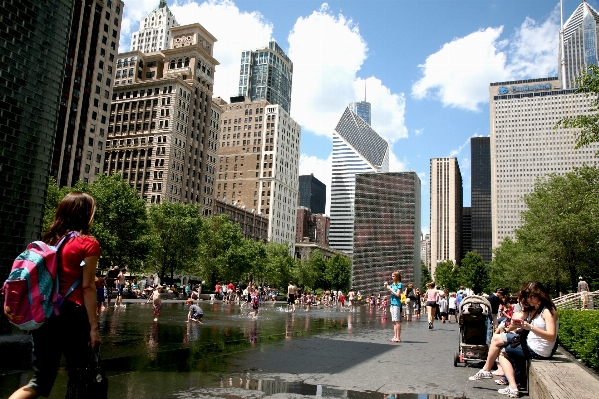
[(451, 312), (255, 307), (290, 299), (410, 306), (157, 310), (431, 304), (100, 295), (443, 314), (67, 333), (119, 289), (395, 312)]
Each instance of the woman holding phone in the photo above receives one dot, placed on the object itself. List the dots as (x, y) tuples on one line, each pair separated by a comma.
[(395, 289), (538, 323)]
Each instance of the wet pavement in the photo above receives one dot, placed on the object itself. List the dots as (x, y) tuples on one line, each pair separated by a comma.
[(321, 353)]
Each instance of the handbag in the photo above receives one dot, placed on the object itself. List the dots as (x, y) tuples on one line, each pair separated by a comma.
[(89, 382)]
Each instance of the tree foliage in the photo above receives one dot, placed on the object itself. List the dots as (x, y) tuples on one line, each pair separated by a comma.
[(446, 275), (338, 273), (279, 265), (587, 83), (426, 276), (175, 231), (473, 273)]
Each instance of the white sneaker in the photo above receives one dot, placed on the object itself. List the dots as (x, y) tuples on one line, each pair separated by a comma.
[(481, 374), (509, 392)]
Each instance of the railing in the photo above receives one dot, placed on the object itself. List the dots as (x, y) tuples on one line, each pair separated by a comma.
[(575, 300)]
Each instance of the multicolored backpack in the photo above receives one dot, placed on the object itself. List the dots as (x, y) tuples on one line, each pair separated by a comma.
[(31, 291)]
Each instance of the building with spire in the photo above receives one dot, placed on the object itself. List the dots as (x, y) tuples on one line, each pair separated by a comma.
[(362, 109), (267, 74), (357, 148), (578, 47), (154, 32)]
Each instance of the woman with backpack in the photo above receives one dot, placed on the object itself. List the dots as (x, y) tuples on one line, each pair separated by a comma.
[(75, 331)]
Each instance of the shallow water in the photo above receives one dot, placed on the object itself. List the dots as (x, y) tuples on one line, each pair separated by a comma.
[(171, 358)]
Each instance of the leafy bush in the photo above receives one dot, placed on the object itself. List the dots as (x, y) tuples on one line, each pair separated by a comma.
[(579, 334)]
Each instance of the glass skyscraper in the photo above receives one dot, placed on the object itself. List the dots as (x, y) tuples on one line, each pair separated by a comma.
[(579, 44), (267, 74), (362, 108), (357, 148), (386, 230), (481, 222), (312, 193)]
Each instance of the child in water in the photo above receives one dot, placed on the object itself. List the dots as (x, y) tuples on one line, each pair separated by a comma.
[(157, 301)]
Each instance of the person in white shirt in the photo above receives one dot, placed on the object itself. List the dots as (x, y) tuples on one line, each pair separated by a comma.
[(453, 304)]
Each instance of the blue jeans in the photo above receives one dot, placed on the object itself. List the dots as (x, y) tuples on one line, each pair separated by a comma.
[(518, 357)]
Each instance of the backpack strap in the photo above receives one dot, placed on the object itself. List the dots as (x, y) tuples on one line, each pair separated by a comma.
[(58, 299)]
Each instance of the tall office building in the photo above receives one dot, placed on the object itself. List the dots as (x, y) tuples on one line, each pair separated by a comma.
[(154, 30), (258, 164), (34, 44), (362, 108), (466, 231), (357, 148), (525, 146), (578, 47), (445, 211), (267, 74), (480, 182), (162, 134), (386, 230), (86, 91), (312, 193)]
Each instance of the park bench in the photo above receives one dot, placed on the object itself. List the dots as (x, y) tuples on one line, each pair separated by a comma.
[(561, 377)]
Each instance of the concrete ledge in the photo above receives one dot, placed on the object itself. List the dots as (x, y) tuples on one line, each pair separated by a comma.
[(561, 377)]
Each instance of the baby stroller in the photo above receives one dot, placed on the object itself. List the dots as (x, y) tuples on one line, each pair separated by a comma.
[(475, 324)]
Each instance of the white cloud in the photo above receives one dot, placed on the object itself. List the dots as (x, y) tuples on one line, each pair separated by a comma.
[(455, 153), (418, 132), (327, 52), (423, 178), (321, 169), (459, 73), (235, 31), (395, 165)]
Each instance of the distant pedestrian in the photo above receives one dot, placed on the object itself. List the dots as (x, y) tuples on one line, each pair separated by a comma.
[(443, 305), (431, 302), (195, 313), (584, 289), (157, 301), (120, 285), (291, 296)]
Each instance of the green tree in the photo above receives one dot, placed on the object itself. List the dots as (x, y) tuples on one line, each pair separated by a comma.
[(175, 231), (426, 276), (473, 273), (53, 197), (445, 275), (338, 273), (120, 223), (319, 264), (220, 239), (562, 224), (279, 265), (513, 264), (249, 260), (587, 83)]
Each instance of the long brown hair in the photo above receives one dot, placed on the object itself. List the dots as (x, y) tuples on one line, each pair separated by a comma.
[(74, 213), (538, 289)]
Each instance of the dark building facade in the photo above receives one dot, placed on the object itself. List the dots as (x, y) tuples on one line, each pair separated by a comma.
[(312, 193), (482, 229), (386, 230), (34, 46), (466, 231)]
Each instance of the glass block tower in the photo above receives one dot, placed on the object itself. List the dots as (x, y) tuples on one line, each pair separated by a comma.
[(386, 230), (267, 74), (357, 148), (154, 32), (481, 220), (362, 108), (578, 44)]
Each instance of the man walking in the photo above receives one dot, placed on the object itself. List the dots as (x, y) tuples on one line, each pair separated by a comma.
[(291, 295), (584, 289)]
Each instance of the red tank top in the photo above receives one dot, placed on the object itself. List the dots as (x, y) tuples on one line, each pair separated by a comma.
[(71, 255)]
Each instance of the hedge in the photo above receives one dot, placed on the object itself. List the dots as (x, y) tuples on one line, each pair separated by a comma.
[(579, 334)]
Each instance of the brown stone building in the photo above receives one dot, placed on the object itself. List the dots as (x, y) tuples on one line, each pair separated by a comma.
[(314, 227), (258, 162), (163, 135), (253, 226)]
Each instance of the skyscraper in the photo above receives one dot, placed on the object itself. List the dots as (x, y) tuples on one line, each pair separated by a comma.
[(258, 164), (86, 91), (162, 137), (312, 193), (267, 74), (34, 45), (482, 227), (362, 108), (579, 43), (386, 230), (445, 211), (154, 32), (466, 231), (357, 148)]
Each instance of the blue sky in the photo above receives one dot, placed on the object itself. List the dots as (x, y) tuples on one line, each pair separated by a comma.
[(427, 65)]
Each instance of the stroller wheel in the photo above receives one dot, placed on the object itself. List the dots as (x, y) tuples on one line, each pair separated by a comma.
[(456, 359)]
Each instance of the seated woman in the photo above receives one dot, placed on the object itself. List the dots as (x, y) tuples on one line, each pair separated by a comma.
[(135, 291), (539, 324)]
